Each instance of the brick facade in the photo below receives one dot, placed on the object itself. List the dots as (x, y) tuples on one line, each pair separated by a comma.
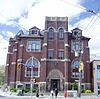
[(55, 71)]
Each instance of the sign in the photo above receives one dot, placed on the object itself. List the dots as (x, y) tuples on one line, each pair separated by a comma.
[(18, 66), (81, 66), (72, 93)]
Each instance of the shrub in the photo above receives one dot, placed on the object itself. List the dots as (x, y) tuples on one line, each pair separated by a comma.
[(13, 90), (83, 91), (26, 90), (88, 91), (75, 86), (34, 90)]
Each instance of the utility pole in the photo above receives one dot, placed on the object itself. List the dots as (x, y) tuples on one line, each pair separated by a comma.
[(78, 38), (80, 77), (31, 80)]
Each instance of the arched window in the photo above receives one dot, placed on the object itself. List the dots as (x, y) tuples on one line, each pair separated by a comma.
[(50, 33), (61, 33), (32, 66), (75, 69), (32, 62), (75, 64)]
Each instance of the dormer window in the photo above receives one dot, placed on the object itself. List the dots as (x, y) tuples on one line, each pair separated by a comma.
[(34, 32), (77, 32)]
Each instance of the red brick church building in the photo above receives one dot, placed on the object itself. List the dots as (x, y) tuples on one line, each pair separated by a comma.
[(48, 56)]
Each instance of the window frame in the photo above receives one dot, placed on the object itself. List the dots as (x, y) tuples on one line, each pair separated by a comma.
[(76, 45), (75, 69), (50, 54), (33, 46), (50, 33), (34, 32), (35, 67), (61, 34), (98, 72), (61, 54)]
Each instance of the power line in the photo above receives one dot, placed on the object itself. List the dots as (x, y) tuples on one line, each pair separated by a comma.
[(87, 10), (74, 5), (90, 11), (93, 18), (90, 24)]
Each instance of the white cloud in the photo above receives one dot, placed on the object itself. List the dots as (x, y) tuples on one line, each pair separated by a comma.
[(12, 9), (7, 34), (4, 37), (36, 11), (3, 50), (36, 15)]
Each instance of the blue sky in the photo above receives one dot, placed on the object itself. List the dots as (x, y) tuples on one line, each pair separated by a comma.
[(24, 14)]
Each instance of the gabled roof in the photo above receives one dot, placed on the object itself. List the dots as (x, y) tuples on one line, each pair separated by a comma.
[(70, 36), (34, 28), (77, 29)]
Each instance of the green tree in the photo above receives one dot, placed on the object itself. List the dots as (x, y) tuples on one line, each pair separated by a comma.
[(2, 71), (75, 86)]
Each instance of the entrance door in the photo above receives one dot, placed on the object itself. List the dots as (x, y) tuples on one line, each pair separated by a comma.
[(55, 83)]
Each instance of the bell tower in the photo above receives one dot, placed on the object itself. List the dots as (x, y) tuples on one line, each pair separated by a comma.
[(55, 51)]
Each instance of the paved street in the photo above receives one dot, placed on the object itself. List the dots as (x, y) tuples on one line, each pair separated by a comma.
[(47, 97)]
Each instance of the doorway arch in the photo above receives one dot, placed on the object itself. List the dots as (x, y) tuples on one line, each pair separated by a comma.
[(55, 79)]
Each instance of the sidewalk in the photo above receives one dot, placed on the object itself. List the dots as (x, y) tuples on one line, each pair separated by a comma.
[(47, 96)]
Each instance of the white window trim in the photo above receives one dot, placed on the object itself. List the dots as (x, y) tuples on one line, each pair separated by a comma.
[(34, 67), (30, 50)]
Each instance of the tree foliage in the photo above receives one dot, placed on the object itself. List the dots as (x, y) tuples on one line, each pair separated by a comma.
[(75, 86), (2, 72)]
